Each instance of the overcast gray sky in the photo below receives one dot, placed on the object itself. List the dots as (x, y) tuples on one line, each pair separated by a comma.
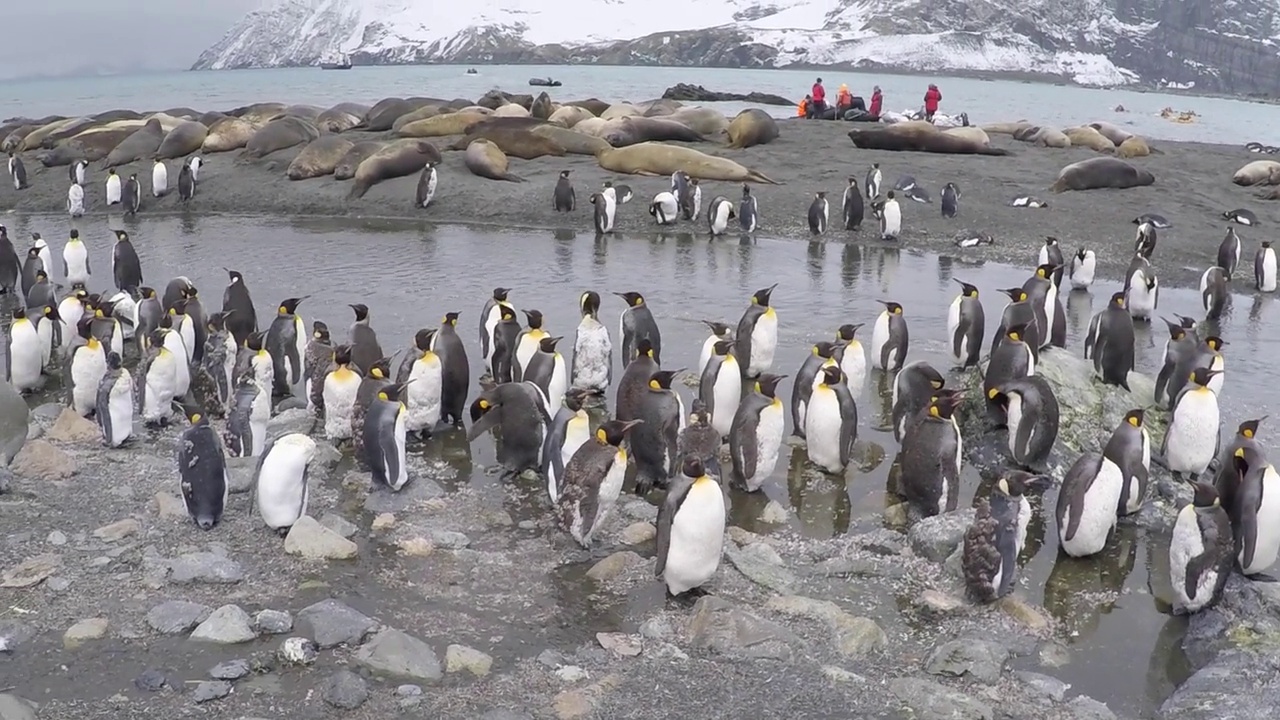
[(55, 37)]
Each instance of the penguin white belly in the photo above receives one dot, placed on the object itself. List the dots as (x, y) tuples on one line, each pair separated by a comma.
[(1098, 514), (1014, 414), (229, 366), (591, 354), (708, 347), (120, 410), (955, 429), (817, 381), (1185, 545), (401, 476), (424, 391), (764, 341), (490, 322), (282, 487), (576, 434), (159, 180), (70, 310), (44, 331), (1142, 300), (113, 189), (259, 415), (76, 257), (1215, 382), (697, 538), (160, 381), (891, 220), (558, 385), (527, 347), (264, 371), (610, 488), (726, 396), (1266, 545), (879, 338), (300, 334), (1082, 273), (75, 200), (1024, 519), (339, 400), (87, 369), (768, 441), (854, 365), (953, 324), (1268, 283), (719, 219), (182, 366), (1193, 433), (822, 430), (126, 307)]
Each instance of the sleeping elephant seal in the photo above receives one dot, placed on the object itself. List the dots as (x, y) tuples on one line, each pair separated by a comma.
[(620, 110), (1049, 137), (573, 142), (229, 133), (183, 140), (1089, 137), (920, 137), (511, 110), (1272, 194), (1258, 172), (752, 127), (96, 144), (422, 113), (35, 139), (258, 114), (661, 107), (595, 127), (319, 157), (1101, 172), (13, 140), (486, 160), (454, 123), (541, 106), (279, 134), (1007, 128), (384, 114), (1111, 132), (68, 131), (211, 117), (516, 142), (341, 117), (141, 145), (346, 167), (1027, 134), (971, 132), (654, 158), (625, 131), (569, 115), (514, 123), (304, 112), (595, 106), (1134, 146), (396, 159)]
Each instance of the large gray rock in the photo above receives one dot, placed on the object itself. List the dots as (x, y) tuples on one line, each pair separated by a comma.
[(928, 700), (725, 629), (396, 654), (935, 538), (979, 659), (1235, 685), (14, 417), (227, 625), (345, 690), (205, 567), (762, 565), (13, 707), (177, 616), (296, 420), (1244, 619), (331, 623)]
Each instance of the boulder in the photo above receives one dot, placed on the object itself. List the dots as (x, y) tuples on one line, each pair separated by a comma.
[(686, 92), (396, 654), (723, 628), (14, 416)]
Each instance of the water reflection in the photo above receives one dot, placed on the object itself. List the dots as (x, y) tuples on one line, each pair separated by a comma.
[(820, 501)]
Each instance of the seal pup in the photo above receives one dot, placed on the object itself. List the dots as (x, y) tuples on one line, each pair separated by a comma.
[(890, 218), (280, 481), (1241, 216), (890, 338), (1229, 253), (997, 536), (691, 522), (950, 200), (931, 455), (593, 481), (428, 181), (1200, 552), (719, 213), (748, 217), (564, 197), (664, 208), (1264, 268), (1083, 265), (1213, 291), (592, 364), (755, 437), (874, 178), (851, 207), (202, 468)]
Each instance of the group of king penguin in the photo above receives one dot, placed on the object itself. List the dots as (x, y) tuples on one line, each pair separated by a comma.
[(222, 365)]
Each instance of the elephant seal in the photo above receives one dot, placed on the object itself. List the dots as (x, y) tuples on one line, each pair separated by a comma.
[(90, 146), (1258, 172), (653, 158), (1086, 136), (70, 130), (34, 140), (1133, 147), (422, 113), (1027, 134), (395, 159), (1101, 172), (595, 127), (569, 115), (258, 114), (574, 143), (385, 113), (595, 106), (211, 117), (541, 106), (485, 159), (455, 123), (229, 133), (341, 117), (752, 127), (514, 123), (1273, 194), (621, 110), (704, 121), (659, 108), (920, 137), (495, 99), (346, 167), (284, 132), (516, 142), (13, 140), (140, 145), (1049, 137), (1005, 128), (183, 140), (1111, 132), (511, 110), (319, 157), (305, 112), (624, 131), (971, 132), (111, 116), (185, 113)]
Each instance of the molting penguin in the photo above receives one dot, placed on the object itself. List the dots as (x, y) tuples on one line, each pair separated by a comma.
[(75, 260), (1255, 515), (1111, 343), (563, 198), (890, 218), (851, 207), (526, 345), (1032, 411), (1083, 265), (115, 403), (220, 361), (254, 361), (966, 325), (157, 377), (1051, 254), (425, 378), (664, 208), (930, 458), (853, 358), (455, 370), (1144, 240), (1129, 448), (1213, 291), (719, 213), (913, 389), (203, 470), (186, 183), (874, 178), (1192, 440), (570, 430), (719, 331), (506, 336), (25, 359), (75, 200), (605, 214), (1229, 253), (519, 412), (748, 211), (756, 435), (428, 181), (237, 307), (1087, 502), (819, 212), (246, 433), (384, 432), (831, 422), (490, 315), (655, 442), (890, 338), (757, 336), (280, 485), (1200, 552), (365, 348), (287, 343), (86, 366), (592, 349), (126, 268), (701, 440), (113, 187), (548, 370), (316, 364), (821, 355), (691, 523), (1264, 268), (159, 179), (1142, 289), (593, 480), (950, 200), (637, 322), (720, 388), (634, 382), (996, 538), (340, 387), (132, 195)]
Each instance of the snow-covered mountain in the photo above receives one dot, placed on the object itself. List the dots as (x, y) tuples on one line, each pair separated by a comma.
[(1227, 46)]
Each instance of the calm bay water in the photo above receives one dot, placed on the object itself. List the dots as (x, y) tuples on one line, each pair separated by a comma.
[(1220, 121)]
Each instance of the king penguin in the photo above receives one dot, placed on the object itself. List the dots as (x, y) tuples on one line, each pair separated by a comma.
[(756, 435), (246, 433), (1229, 253), (126, 269), (592, 348), (720, 387), (1180, 352), (385, 428), (654, 443), (159, 179), (1083, 265), (719, 213), (819, 213), (10, 270), (1113, 343), (1051, 254), (1255, 515), (1142, 289), (1191, 441), (996, 538), (115, 403), (132, 195), (518, 411), (75, 260), (506, 336), (807, 378), (113, 187), (1018, 313), (748, 215), (455, 370), (220, 362), (831, 422), (374, 379), (874, 178), (527, 343), (634, 382), (564, 197), (77, 171), (913, 389), (157, 377), (186, 183), (637, 322), (852, 208), (32, 266), (664, 208), (287, 344), (365, 348), (930, 458), (1200, 552), (548, 370), (237, 307), (85, 369), (950, 200), (428, 181), (182, 358), (593, 480), (719, 331), (890, 338), (203, 471), (691, 524), (1032, 413), (1129, 448), (24, 356), (340, 387), (490, 315), (570, 430), (1145, 239), (1087, 503), (1043, 297), (1264, 268), (890, 218), (605, 213), (757, 336), (966, 326), (280, 482), (423, 394), (1226, 480), (1213, 291)]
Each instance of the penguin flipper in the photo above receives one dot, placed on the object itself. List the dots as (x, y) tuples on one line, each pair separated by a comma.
[(849, 426), (480, 424), (1083, 476)]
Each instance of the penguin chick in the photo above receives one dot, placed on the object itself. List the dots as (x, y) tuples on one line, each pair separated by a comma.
[(997, 536), (691, 523), (700, 440), (1200, 552), (593, 480)]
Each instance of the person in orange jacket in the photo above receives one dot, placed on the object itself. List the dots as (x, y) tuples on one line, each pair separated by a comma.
[(932, 97), (844, 100), (802, 110)]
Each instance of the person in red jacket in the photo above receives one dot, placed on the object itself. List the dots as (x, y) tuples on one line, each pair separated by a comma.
[(932, 97), (819, 95), (877, 101)]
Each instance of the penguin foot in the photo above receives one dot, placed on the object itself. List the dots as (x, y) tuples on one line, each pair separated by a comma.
[(1263, 578), (282, 532)]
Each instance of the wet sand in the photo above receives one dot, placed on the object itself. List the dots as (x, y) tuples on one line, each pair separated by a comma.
[(1193, 187)]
